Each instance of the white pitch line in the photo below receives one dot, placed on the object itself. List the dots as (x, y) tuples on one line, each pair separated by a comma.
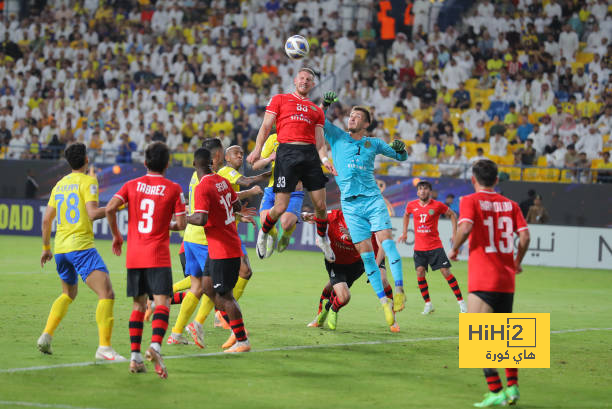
[(40, 405), (286, 348)]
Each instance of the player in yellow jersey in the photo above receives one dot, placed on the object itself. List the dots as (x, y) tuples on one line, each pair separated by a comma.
[(288, 219), (74, 206)]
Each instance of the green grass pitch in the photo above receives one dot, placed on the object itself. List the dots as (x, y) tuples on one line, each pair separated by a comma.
[(360, 365)]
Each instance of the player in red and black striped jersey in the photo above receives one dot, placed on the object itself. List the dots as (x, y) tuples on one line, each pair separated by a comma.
[(343, 272), (491, 220), (428, 249), (153, 201)]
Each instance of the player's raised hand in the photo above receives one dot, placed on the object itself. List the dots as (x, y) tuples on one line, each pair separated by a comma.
[(117, 243), (329, 98), (248, 219), (452, 254), (308, 217), (248, 211), (398, 146), (46, 256), (403, 238)]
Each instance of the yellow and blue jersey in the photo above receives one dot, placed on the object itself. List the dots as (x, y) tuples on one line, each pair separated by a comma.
[(74, 229), (270, 147), (232, 175), (193, 233)]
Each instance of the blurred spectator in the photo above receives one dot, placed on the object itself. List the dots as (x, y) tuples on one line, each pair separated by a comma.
[(526, 204), (537, 213)]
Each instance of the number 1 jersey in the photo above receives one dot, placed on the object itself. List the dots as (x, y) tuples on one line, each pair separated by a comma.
[(495, 219), (214, 196), (152, 201)]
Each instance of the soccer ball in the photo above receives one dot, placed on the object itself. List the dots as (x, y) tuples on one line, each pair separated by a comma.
[(297, 47)]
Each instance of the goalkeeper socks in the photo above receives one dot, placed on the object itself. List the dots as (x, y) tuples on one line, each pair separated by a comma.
[(239, 287), (136, 325), (493, 380), (177, 298), (424, 288), (268, 224), (205, 308), (454, 285), (373, 272), (105, 320), (160, 323), (321, 226), (512, 376), (389, 292), (395, 261), (190, 302), (58, 311), (184, 284)]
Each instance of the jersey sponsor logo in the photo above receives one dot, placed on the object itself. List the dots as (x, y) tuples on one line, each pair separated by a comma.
[(301, 117), (183, 201), (155, 190), (93, 189), (431, 212)]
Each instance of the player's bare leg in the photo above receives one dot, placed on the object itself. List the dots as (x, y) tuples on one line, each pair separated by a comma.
[(424, 288), (454, 285), (281, 202), (160, 324), (322, 241)]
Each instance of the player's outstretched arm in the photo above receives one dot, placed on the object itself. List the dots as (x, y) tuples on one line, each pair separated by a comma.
[(254, 191), (322, 149), (246, 181), (263, 162), (262, 135), (453, 218), (404, 236), (111, 216), (395, 150), (523, 245), (47, 223)]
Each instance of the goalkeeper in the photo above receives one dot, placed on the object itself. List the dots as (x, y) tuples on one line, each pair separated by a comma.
[(362, 203)]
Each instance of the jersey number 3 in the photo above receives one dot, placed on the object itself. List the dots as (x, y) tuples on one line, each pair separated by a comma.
[(145, 225)]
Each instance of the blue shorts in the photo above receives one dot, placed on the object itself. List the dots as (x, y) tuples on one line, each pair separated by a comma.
[(81, 262), (195, 258), (295, 203), (364, 215)]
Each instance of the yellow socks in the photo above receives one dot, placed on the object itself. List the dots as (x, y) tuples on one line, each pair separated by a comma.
[(239, 287), (288, 233), (273, 231), (205, 309), (105, 320), (188, 306), (58, 311), (184, 284)]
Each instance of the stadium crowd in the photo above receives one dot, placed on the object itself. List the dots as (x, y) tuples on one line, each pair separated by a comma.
[(522, 82)]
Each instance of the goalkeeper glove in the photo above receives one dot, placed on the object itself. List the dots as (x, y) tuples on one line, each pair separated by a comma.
[(398, 146), (329, 98)]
